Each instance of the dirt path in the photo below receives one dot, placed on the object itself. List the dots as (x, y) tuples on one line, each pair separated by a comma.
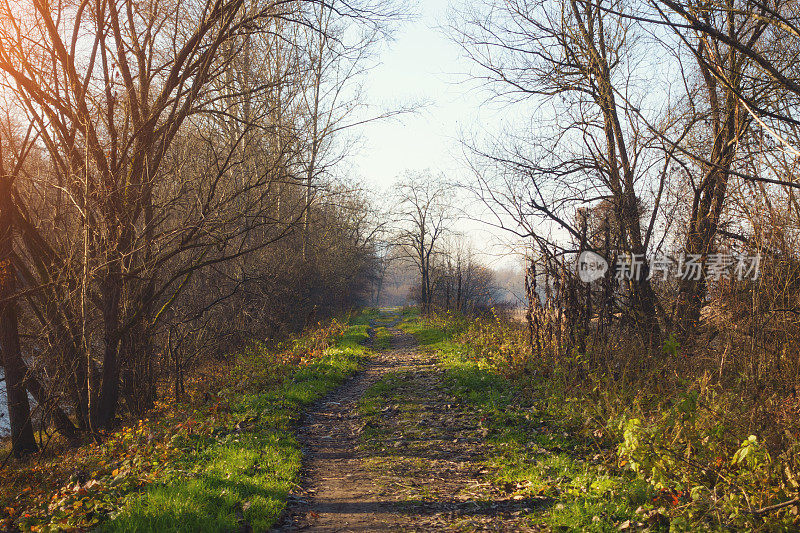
[(414, 464)]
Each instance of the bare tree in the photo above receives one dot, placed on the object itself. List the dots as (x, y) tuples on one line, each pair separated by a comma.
[(572, 59), (171, 154), (425, 215), (464, 284), (717, 123), (336, 57)]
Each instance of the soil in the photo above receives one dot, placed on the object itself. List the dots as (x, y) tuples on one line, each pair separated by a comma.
[(423, 468)]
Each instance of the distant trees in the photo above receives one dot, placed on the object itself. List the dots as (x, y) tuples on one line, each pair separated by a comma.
[(425, 216), (449, 276), (464, 284), (164, 191)]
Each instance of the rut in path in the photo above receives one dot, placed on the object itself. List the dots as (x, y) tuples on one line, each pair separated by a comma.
[(421, 470)]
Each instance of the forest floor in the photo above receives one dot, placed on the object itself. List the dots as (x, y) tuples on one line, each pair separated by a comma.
[(389, 422), (222, 458), (416, 442)]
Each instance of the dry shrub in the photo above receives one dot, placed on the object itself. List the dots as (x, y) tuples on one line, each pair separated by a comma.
[(680, 421)]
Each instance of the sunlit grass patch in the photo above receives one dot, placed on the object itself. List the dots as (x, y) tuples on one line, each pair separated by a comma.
[(243, 471), (580, 495), (244, 481), (427, 334), (354, 338), (410, 311), (365, 316), (475, 381), (534, 454), (382, 339)]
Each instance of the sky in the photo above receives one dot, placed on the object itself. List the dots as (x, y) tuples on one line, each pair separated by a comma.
[(422, 65)]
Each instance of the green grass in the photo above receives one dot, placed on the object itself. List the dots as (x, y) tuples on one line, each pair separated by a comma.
[(365, 316), (429, 336), (536, 453), (233, 475), (383, 339)]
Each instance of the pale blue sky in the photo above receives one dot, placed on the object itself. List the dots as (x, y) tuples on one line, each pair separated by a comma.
[(422, 65)]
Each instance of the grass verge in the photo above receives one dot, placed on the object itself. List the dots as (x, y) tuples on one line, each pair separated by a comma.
[(223, 461), (537, 454)]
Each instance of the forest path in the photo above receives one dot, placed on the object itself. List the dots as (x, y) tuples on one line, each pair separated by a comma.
[(392, 450)]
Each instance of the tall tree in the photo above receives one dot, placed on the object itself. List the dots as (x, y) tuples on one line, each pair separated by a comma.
[(22, 438), (425, 215), (572, 60), (725, 41)]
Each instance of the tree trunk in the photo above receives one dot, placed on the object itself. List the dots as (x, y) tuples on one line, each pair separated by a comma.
[(709, 196), (700, 242), (19, 409), (105, 408), (459, 304)]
